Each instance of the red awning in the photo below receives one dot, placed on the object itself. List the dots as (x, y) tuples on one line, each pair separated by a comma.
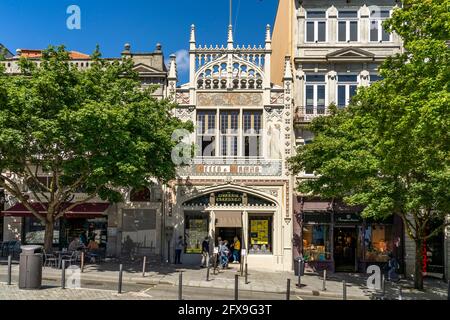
[(87, 210)]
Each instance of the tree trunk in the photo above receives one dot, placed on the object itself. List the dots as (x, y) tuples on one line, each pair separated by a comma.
[(418, 275), (48, 238)]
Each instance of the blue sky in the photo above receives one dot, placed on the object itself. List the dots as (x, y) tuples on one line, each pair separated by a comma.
[(35, 24)]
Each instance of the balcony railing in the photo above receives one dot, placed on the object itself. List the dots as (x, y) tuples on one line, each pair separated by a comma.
[(232, 166), (309, 113)]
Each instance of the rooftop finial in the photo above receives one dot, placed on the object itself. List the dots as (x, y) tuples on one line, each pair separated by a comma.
[(268, 34), (173, 67), (192, 34), (230, 37)]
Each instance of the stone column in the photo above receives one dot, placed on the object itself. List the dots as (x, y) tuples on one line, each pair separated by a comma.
[(245, 230)]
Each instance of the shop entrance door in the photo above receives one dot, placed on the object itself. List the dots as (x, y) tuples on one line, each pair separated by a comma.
[(345, 248), (228, 234)]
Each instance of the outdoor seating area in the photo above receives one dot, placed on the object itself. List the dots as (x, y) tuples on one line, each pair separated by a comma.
[(56, 258), (12, 248)]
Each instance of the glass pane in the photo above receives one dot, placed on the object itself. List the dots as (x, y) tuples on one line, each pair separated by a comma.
[(347, 78), (321, 32), (260, 235), (316, 15), (316, 243), (196, 229), (315, 78), (353, 31), (341, 97), (320, 95), (386, 36), (375, 78), (309, 95), (310, 31), (348, 14), (342, 36), (374, 31), (353, 90)]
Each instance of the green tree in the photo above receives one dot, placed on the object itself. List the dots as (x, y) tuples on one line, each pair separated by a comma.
[(91, 131), (390, 149)]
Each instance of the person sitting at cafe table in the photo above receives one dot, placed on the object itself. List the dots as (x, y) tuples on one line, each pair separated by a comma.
[(93, 245), (75, 244)]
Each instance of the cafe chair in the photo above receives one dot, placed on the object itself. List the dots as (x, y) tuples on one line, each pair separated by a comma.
[(71, 259), (50, 260)]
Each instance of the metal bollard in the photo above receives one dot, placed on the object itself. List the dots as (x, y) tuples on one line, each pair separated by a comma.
[(246, 273), (63, 277), (120, 278), (344, 288), (180, 286), (324, 284), (288, 291), (143, 267), (383, 286), (9, 269), (82, 262), (299, 284), (448, 291), (400, 294), (236, 287)]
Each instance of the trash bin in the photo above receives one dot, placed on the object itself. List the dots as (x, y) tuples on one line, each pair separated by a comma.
[(299, 266), (30, 268)]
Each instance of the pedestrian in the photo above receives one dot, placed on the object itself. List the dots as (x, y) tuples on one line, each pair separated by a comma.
[(178, 249), (84, 238), (393, 266), (224, 254), (236, 250), (205, 252)]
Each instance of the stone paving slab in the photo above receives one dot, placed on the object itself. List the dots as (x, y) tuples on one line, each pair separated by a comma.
[(258, 281), (13, 293)]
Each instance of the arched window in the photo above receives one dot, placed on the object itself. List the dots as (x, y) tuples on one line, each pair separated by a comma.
[(140, 195)]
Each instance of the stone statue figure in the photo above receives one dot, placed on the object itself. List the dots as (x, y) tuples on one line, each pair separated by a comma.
[(274, 134)]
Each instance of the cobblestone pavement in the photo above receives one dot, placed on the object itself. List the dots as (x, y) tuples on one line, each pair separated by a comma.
[(258, 281), (52, 293)]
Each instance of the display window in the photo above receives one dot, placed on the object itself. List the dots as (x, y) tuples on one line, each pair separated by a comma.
[(260, 234), (196, 229), (378, 242), (34, 231), (316, 243)]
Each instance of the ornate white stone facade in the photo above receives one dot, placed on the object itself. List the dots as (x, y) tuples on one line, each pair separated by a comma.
[(233, 82)]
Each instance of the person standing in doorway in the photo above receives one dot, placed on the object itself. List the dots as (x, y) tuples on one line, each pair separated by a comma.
[(236, 250), (178, 249), (205, 253)]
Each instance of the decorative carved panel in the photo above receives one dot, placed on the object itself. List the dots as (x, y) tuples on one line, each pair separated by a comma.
[(229, 99)]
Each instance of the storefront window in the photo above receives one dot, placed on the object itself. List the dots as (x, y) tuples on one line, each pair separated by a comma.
[(196, 229), (34, 231), (316, 243), (260, 237), (139, 228), (378, 243)]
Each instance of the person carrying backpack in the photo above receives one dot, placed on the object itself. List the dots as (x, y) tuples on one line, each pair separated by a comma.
[(393, 266)]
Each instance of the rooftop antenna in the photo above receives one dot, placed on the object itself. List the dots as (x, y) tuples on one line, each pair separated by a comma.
[(231, 13)]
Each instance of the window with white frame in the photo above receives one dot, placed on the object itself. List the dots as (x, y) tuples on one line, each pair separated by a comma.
[(315, 94), (316, 26), (348, 26), (252, 134), (229, 133), (206, 132), (377, 31), (346, 89)]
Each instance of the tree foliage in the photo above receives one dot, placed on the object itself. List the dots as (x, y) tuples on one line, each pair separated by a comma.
[(94, 130), (390, 149)]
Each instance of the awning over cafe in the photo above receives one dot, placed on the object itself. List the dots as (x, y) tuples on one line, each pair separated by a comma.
[(228, 220), (86, 210)]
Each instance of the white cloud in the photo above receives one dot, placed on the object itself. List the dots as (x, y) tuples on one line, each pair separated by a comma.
[(182, 61)]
